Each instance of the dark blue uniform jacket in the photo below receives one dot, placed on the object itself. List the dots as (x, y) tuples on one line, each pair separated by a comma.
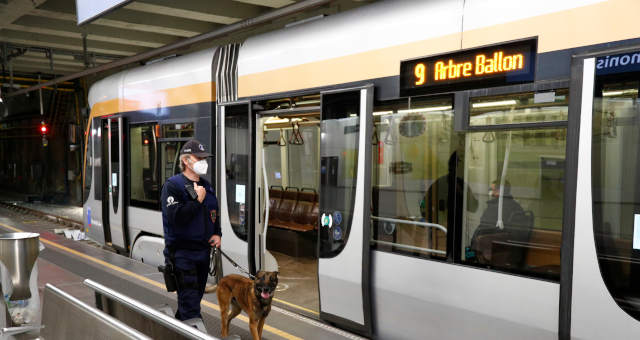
[(187, 223)]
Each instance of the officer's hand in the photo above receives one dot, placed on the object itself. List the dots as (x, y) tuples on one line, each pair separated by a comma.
[(214, 241), (200, 191)]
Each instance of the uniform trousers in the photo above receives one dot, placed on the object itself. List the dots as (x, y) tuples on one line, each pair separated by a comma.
[(192, 269)]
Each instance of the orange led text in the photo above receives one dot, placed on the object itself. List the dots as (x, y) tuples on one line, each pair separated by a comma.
[(481, 64)]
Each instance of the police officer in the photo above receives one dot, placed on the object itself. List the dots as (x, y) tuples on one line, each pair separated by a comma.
[(191, 227)]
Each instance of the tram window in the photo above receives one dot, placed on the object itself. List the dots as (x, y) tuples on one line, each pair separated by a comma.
[(100, 150), (303, 160), (616, 193), (144, 166), (518, 177), (178, 130), (273, 157), (339, 140), (170, 159), (520, 108), (88, 163), (291, 154), (415, 157)]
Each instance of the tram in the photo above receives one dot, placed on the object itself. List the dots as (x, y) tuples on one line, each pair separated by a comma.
[(433, 169)]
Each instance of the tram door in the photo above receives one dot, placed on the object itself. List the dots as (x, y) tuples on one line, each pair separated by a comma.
[(115, 203), (287, 173), (104, 176), (345, 203)]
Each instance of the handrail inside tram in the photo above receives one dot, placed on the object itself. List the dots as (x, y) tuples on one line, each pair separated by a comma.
[(408, 247), (418, 223)]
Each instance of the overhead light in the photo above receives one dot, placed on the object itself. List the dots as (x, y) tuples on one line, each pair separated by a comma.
[(303, 21), (306, 102), (619, 92), (497, 103), (612, 93), (276, 120), (427, 109), (381, 113)]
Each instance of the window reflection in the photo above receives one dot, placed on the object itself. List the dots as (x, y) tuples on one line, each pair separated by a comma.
[(178, 130), (338, 168), (415, 168), (144, 166), (616, 198), (519, 178), (88, 163), (170, 156), (527, 107), (237, 148)]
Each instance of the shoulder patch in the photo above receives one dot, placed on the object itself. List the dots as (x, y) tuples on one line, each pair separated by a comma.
[(171, 201)]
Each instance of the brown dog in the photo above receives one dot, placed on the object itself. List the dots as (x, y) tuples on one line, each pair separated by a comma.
[(251, 296)]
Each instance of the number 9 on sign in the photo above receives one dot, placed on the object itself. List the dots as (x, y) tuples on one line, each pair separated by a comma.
[(421, 73)]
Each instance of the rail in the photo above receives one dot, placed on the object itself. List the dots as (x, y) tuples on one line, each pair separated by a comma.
[(150, 313), (65, 317), (408, 247), (421, 224)]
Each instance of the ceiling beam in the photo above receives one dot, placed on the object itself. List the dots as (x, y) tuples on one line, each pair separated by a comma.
[(71, 44), (128, 19), (78, 35), (31, 68), (269, 3), (223, 8), (64, 28), (43, 60), (182, 13), (14, 9), (41, 52), (178, 32), (182, 45)]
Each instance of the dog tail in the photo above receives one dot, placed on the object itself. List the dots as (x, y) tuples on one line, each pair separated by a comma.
[(210, 288)]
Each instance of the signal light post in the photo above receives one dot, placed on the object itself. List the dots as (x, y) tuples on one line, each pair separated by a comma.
[(43, 130)]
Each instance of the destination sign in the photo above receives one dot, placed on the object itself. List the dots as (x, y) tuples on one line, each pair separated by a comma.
[(505, 64)]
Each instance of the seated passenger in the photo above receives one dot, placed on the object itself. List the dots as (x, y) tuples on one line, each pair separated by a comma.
[(514, 220)]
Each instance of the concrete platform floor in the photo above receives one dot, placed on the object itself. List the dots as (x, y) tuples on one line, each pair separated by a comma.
[(298, 283)]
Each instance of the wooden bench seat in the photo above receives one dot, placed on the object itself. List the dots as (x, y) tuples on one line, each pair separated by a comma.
[(541, 253), (293, 209)]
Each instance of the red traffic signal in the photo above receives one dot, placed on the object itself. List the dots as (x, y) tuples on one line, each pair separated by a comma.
[(43, 128)]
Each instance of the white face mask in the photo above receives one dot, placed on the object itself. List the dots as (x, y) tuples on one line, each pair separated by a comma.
[(200, 167)]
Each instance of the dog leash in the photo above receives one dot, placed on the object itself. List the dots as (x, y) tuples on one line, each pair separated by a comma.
[(233, 263)]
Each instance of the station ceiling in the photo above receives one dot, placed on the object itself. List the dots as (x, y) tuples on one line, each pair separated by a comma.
[(41, 36)]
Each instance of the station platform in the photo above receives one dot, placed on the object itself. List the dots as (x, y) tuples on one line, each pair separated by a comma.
[(66, 263)]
